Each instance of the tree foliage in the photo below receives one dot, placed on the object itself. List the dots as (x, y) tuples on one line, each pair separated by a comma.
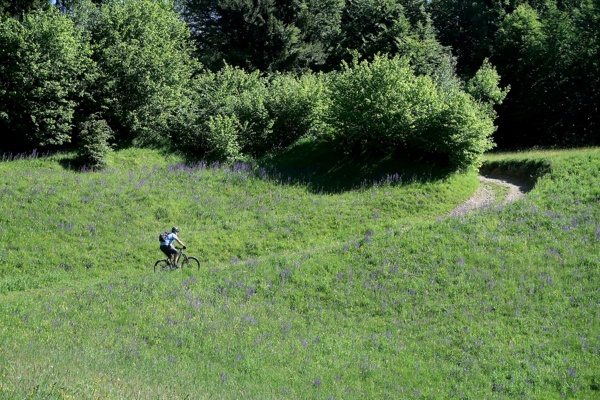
[(485, 88), (296, 35), (382, 106), (19, 8), (550, 57), (237, 114), (274, 71), (469, 28), (372, 27), (546, 50), (44, 67), (143, 55), (266, 35)]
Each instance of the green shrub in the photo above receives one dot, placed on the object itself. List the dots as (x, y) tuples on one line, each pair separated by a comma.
[(248, 102), (374, 106), (211, 113), (484, 87), (255, 114), (229, 103), (457, 127), (382, 106), (94, 136), (221, 137), (297, 106)]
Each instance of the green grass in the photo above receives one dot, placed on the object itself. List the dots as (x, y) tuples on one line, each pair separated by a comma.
[(307, 290), (67, 224)]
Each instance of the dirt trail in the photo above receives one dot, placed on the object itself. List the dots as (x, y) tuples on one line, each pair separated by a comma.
[(485, 197)]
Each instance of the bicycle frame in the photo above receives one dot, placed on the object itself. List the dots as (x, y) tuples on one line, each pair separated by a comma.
[(183, 260)]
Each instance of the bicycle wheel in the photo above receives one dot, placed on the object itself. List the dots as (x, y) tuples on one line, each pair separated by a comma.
[(190, 262), (162, 265)]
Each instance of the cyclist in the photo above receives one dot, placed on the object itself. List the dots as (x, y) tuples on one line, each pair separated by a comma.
[(168, 248)]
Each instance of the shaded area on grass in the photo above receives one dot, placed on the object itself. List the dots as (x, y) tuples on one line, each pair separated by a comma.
[(321, 165), (522, 173), (326, 169)]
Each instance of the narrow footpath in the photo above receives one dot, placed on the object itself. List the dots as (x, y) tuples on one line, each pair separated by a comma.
[(485, 196)]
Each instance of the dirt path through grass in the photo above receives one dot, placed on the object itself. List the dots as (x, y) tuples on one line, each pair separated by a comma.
[(493, 191)]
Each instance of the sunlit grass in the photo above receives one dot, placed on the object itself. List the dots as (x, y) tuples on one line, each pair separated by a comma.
[(329, 302), (71, 223)]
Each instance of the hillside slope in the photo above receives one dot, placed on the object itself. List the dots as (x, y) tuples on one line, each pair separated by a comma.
[(499, 303)]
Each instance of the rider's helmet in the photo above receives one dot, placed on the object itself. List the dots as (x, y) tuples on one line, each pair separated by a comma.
[(175, 229)]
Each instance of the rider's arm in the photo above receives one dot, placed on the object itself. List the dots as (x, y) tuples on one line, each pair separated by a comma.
[(180, 242)]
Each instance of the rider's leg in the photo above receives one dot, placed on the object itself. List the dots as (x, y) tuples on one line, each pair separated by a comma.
[(167, 252), (175, 257)]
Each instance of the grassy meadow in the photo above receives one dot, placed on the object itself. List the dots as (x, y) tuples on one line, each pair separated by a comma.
[(327, 282)]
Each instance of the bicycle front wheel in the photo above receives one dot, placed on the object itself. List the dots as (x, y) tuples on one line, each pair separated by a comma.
[(190, 262), (162, 265)]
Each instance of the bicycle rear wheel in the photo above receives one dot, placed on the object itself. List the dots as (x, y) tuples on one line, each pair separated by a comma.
[(161, 266), (190, 262)]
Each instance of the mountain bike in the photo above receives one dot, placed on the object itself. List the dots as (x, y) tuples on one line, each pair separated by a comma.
[(185, 261)]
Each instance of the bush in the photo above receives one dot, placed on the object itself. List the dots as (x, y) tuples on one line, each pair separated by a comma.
[(221, 138), (220, 113), (484, 87), (373, 104), (457, 127), (248, 103), (297, 105), (255, 116), (94, 137), (382, 106)]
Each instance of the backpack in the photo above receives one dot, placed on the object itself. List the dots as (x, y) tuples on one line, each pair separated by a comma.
[(162, 237)]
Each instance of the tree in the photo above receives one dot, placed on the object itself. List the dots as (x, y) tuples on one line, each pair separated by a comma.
[(372, 27), (265, 35), (392, 27), (94, 138), (586, 70), (469, 28), (19, 8), (44, 65), (237, 114), (550, 57), (145, 64), (518, 55)]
